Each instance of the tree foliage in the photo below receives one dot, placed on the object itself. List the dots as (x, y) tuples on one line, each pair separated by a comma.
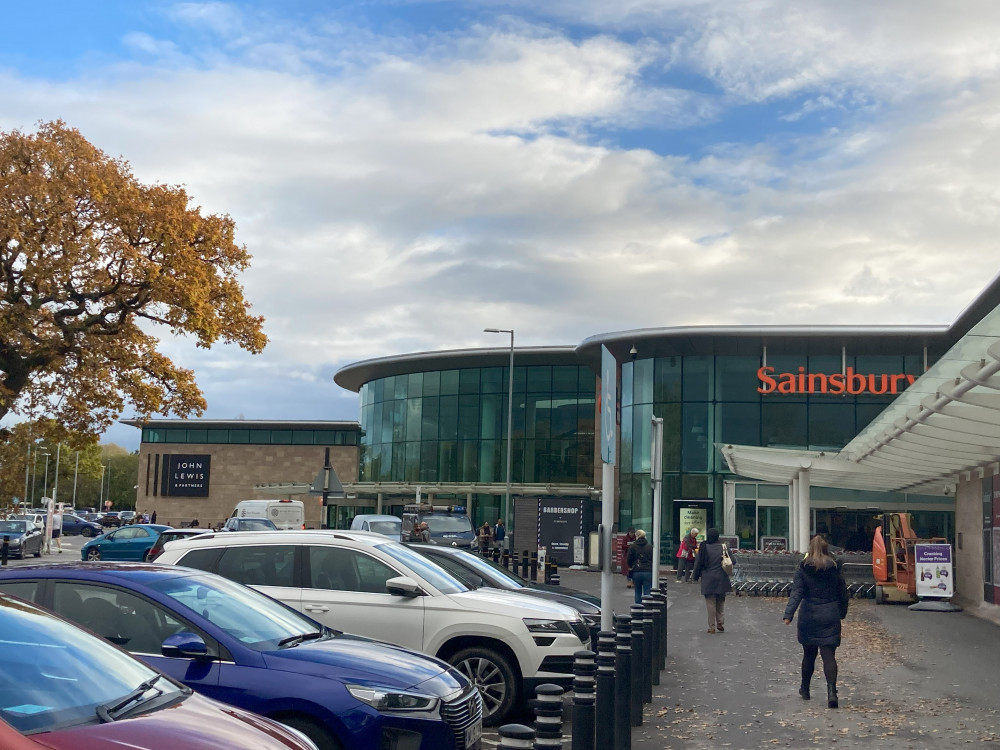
[(94, 268)]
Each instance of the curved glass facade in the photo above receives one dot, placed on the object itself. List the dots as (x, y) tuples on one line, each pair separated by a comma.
[(451, 426), (704, 400)]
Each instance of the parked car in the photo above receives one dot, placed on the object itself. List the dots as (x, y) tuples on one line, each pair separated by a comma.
[(66, 689), (170, 535), (125, 543), (111, 519), (249, 524), (23, 538), (225, 640), (36, 518), (449, 525), (127, 516), (475, 571), (364, 583), (285, 513), (389, 526), (74, 524)]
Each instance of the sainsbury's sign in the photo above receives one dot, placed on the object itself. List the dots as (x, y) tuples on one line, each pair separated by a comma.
[(838, 383)]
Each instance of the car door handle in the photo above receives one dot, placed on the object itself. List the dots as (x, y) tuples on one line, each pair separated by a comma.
[(316, 608)]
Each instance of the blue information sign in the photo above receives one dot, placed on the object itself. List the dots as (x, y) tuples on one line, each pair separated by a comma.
[(609, 404)]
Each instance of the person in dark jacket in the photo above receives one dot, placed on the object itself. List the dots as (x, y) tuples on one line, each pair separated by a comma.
[(819, 593), (714, 581), (640, 562)]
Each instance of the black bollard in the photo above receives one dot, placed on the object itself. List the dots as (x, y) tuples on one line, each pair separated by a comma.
[(548, 707), (638, 668), (604, 732), (666, 627), (658, 636), (4, 549), (650, 669), (516, 737), (623, 682), (505, 559), (584, 684), (524, 563), (534, 567)]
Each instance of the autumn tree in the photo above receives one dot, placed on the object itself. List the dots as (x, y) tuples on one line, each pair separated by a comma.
[(96, 267)]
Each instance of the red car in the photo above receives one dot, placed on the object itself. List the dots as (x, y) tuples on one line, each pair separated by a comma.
[(63, 688)]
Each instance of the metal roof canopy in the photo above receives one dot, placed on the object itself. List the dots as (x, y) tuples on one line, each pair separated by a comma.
[(355, 490), (943, 426)]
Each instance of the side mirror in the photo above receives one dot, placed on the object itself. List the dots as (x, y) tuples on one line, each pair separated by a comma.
[(185, 645), (403, 586)]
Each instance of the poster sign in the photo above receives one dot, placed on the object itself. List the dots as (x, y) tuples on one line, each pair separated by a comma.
[(186, 475), (560, 521), (696, 518), (609, 404), (578, 556), (934, 573)]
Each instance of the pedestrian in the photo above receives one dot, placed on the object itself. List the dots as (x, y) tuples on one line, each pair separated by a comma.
[(485, 536), (425, 532), (152, 518), (686, 554), (819, 593), (626, 542), (57, 526), (640, 562), (499, 534), (714, 581), (194, 524)]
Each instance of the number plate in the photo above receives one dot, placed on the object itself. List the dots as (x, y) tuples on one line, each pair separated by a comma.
[(472, 736)]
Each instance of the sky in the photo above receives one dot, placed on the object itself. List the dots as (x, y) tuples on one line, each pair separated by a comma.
[(406, 174)]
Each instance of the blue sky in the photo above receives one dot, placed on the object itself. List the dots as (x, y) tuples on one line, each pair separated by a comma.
[(406, 174)]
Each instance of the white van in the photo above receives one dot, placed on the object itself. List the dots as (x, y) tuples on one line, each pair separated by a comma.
[(285, 514)]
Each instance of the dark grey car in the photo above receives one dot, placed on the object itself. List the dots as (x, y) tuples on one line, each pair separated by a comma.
[(23, 538)]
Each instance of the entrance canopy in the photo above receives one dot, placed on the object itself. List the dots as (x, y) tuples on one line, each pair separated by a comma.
[(945, 424)]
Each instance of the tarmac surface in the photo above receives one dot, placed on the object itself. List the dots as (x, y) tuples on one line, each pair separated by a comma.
[(907, 679)]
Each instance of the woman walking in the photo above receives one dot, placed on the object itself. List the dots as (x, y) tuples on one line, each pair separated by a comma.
[(819, 592), (714, 581), (685, 555), (640, 562)]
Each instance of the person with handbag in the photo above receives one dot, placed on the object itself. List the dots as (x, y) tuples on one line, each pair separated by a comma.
[(819, 593), (640, 562), (686, 554), (714, 580)]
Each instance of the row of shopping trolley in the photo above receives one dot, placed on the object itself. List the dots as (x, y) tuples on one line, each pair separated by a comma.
[(772, 573)]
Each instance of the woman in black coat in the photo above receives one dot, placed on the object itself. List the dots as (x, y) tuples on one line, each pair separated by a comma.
[(819, 592), (714, 581)]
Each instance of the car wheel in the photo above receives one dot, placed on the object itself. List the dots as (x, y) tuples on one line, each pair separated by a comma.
[(320, 736), (38, 552), (93, 553), (86, 531), (493, 675)]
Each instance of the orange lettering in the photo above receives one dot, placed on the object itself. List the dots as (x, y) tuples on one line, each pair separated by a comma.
[(764, 375)]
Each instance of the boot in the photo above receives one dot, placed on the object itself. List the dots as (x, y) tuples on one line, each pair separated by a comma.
[(804, 691), (831, 695)]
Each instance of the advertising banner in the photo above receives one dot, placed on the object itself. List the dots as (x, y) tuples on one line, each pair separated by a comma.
[(934, 573), (696, 518), (560, 521), (186, 475)]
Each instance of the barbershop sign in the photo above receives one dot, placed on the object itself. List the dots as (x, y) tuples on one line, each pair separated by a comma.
[(838, 383)]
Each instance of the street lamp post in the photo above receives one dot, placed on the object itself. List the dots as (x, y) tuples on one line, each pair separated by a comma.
[(45, 482), (510, 419)]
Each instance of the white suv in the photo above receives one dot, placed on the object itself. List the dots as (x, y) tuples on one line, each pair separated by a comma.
[(366, 584)]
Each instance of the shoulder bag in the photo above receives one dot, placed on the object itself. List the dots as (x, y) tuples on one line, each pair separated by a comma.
[(727, 561)]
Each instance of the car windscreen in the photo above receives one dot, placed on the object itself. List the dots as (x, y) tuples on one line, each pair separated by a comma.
[(13, 527), (426, 569), (55, 674), (448, 524), (486, 569), (257, 621), (255, 524), (386, 528)]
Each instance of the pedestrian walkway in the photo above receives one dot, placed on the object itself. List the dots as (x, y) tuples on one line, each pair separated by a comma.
[(907, 679)]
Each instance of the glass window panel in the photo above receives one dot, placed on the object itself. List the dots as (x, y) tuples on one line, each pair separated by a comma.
[(913, 364), (492, 465), (745, 491), (492, 380), (281, 437), (364, 395), (865, 414), (520, 379), (267, 565), (625, 386), (399, 420), (697, 446), (260, 437), (378, 390), (587, 380), (429, 461), (625, 447), (197, 436), (468, 381), (411, 472), (175, 436), (667, 379), (642, 425), (217, 436), (389, 388), (518, 416), (385, 432), (784, 425), (736, 378), (671, 415), (878, 364), (448, 419), (586, 419), (429, 418), (738, 424), (470, 460), (239, 436), (415, 385), (563, 417), (695, 485), (302, 437), (492, 416), (325, 437), (152, 436), (564, 379), (642, 381), (564, 461), (468, 417), (772, 491), (376, 427), (698, 378), (402, 383), (539, 455), (539, 379), (538, 416), (432, 383), (642, 503), (831, 426), (385, 463), (449, 383), (448, 461), (414, 414), (398, 462)]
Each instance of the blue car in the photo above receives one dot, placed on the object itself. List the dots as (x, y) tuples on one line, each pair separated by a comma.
[(236, 645), (127, 543), (23, 538), (74, 524)]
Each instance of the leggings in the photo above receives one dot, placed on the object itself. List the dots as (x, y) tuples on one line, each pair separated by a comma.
[(829, 654)]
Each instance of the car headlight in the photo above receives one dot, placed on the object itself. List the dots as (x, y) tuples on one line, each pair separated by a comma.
[(547, 626), (394, 701)]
